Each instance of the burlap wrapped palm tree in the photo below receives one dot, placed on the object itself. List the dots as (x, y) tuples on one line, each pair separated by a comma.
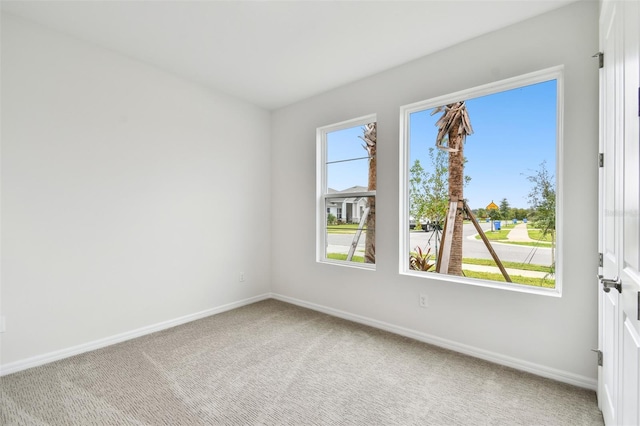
[(370, 139), (453, 127)]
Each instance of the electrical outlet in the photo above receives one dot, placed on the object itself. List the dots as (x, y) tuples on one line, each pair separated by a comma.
[(424, 300), (241, 276)]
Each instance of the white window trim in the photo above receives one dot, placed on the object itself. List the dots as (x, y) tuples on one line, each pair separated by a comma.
[(553, 73), (321, 190)]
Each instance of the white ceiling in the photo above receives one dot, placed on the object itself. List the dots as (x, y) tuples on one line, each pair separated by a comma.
[(274, 53)]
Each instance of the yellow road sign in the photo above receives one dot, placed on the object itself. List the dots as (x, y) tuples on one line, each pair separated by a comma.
[(492, 206)]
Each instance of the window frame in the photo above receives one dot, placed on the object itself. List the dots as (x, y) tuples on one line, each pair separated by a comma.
[(547, 74), (322, 194)]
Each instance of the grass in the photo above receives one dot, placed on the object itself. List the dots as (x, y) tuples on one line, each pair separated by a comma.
[(495, 235), (343, 256), (516, 279), (490, 262), (349, 228), (513, 265), (527, 243), (536, 234)]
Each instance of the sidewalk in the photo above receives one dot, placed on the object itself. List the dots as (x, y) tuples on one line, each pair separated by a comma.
[(510, 271), (519, 233)]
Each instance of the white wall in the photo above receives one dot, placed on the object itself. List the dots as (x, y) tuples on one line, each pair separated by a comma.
[(129, 196), (552, 335)]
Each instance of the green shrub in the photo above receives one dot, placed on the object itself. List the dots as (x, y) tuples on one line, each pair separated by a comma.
[(419, 261)]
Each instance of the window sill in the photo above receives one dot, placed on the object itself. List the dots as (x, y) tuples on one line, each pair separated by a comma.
[(519, 288), (356, 265)]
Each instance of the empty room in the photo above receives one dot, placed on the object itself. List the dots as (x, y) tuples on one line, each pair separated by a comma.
[(320, 212)]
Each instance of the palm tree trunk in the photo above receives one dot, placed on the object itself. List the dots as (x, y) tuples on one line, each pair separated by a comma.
[(370, 238), (453, 126), (456, 183)]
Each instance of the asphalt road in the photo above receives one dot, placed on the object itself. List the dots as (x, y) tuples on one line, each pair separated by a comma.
[(471, 247)]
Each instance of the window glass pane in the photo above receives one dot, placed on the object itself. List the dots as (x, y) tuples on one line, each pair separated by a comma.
[(346, 239), (503, 174), (347, 160), (349, 168)]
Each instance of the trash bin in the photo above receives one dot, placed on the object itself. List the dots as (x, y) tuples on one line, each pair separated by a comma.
[(515, 221), (524, 220), (497, 225)]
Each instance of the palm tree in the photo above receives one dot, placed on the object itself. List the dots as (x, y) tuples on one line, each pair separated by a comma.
[(370, 138), (454, 126)]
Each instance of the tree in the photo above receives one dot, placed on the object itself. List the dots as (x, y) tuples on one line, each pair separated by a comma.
[(416, 190), (428, 191), (542, 199), (505, 209), (453, 127), (494, 215), (370, 138), (435, 187), (519, 213), (481, 213)]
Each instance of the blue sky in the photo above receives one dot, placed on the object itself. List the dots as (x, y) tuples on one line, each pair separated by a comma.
[(346, 145), (514, 131)]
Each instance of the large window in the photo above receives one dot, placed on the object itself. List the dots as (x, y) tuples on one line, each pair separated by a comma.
[(346, 192), (479, 172)]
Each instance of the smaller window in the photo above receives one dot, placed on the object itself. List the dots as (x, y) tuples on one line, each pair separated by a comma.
[(346, 192)]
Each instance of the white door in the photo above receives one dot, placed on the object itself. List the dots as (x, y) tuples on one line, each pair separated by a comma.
[(629, 411), (608, 303), (619, 322)]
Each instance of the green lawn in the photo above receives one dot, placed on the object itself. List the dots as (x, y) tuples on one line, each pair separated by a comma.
[(349, 228), (536, 234), (343, 256), (530, 244), (536, 282), (490, 262), (517, 279), (495, 235), (513, 265)]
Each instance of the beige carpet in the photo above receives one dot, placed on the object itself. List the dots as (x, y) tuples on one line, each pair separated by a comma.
[(272, 363)]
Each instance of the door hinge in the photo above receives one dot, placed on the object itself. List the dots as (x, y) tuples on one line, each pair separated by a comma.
[(599, 352), (600, 260), (600, 57), (601, 159)]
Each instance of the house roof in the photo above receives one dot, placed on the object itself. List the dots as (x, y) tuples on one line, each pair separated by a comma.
[(356, 188)]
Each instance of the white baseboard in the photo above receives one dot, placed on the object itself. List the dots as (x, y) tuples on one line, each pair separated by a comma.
[(496, 358), (97, 344), (537, 369)]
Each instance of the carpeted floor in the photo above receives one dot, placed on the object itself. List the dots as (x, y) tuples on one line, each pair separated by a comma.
[(273, 363)]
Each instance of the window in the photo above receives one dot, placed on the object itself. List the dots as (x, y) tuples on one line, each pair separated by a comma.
[(346, 192), (479, 172)]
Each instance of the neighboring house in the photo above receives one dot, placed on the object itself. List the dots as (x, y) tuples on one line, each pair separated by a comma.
[(348, 209)]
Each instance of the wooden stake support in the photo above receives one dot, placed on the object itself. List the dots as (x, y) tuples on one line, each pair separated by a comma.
[(356, 237), (442, 265)]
